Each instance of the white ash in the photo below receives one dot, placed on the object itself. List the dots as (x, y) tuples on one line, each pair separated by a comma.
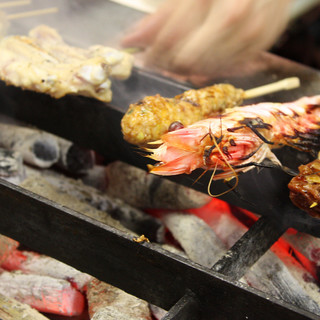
[(11, 309), (270, 274), (40, 186), (132, 218), (108, 302), (143, 190), (11, 166), (37, 147), (305, 279), (44, 265), (96, 178), (305, 244), (26, 286), (199, 241), (282, 284)]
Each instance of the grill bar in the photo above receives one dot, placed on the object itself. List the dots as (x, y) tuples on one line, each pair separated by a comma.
[(186, 308), (144, 270), (245, 252)]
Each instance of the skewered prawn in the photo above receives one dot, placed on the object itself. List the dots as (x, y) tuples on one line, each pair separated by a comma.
[(239, 139)]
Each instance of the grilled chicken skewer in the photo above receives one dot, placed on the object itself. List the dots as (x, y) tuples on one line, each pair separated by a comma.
[(148, 119), (43, 62)]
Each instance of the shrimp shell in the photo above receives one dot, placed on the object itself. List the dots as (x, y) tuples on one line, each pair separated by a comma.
[(239, 139)]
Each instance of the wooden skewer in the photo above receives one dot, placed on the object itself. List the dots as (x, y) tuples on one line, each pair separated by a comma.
[(32, 13), (14, 3), (133, 50), (285, 84), (143, 6)]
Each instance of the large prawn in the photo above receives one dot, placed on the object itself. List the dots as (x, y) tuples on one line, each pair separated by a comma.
[(239, 139)]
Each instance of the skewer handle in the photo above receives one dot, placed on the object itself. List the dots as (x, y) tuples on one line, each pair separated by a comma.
[(14, 3), (285, 84), (133, 50), (32, 13)]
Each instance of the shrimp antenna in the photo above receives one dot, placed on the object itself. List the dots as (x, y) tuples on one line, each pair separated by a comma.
[(214, 171), (201, 175)]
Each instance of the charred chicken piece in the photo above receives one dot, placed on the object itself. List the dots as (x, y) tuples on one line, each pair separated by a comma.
[(305, 188), (148, 119), (43, 62)]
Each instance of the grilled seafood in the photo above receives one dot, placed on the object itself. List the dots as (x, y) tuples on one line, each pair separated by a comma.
[(239, 139)]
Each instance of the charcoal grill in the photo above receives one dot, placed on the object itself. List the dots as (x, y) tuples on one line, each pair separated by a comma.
[(145, 270)]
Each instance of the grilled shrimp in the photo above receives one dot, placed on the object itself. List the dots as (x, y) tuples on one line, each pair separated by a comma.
[(239, 139)]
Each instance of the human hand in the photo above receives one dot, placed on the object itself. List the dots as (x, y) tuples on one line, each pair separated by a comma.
[(199, 38)]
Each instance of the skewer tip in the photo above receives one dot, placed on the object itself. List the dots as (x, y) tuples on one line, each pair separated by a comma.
[(290, 83), (285, 84)]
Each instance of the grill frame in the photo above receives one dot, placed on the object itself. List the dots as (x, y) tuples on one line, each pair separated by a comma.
[(142, 269), (145, 270)]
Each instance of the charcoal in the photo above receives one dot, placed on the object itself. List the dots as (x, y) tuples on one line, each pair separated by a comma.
[(130, 217), (108, 302), (196, 238), (44, 293), (306, 248), (270, 274), (36, 147), (33, 263), (74, 159), (143, 190), (11, 166), (11, 309), (95, 177), (42, 187)]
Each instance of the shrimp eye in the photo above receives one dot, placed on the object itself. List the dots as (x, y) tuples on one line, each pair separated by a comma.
[(207, 153), (176, 125)]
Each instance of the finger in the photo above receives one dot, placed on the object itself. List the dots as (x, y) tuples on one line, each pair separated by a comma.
[(233, 40), (267, 27), (211, 43), (177, 29), (145, 31)]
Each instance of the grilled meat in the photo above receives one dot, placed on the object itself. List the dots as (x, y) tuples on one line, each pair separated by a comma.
[(148, 119), (43, 62), (305, 188)]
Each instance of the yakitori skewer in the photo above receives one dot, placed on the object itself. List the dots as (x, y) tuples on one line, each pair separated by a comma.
[(149, 118)]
